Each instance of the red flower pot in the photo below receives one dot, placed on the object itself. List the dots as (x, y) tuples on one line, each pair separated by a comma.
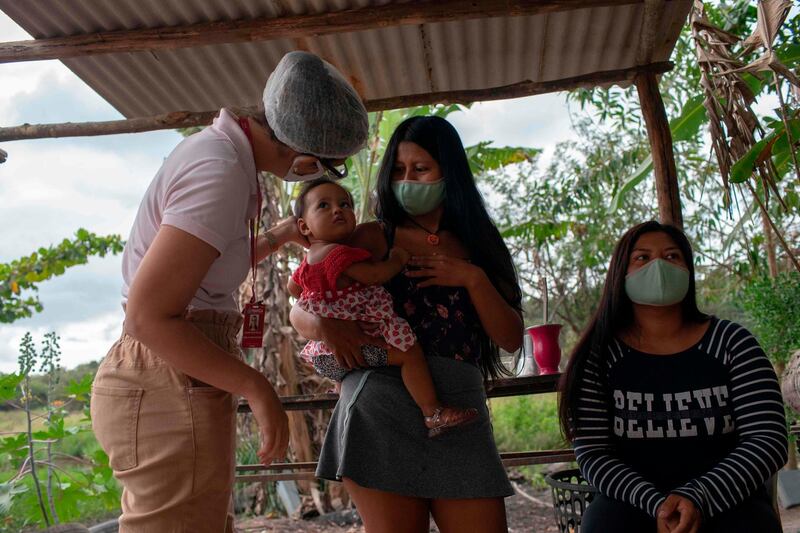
[(546, 350)]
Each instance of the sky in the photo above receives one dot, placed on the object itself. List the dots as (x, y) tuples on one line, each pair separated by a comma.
[(51, 187)]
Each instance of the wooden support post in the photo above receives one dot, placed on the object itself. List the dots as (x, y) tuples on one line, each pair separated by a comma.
[(655, 119)]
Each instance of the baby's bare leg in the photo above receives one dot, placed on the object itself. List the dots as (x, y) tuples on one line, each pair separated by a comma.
[(416, 377)]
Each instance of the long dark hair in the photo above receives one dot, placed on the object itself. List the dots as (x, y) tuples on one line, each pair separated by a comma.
[(464, 213), (614, 315)]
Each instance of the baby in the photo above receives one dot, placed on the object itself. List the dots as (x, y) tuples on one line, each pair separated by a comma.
[(339, 281)]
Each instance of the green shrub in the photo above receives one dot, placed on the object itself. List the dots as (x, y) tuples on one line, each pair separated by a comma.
[(523, 423), (773, 307), (51, 468)]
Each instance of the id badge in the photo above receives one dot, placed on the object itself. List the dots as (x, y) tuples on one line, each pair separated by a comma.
[(253, 328)]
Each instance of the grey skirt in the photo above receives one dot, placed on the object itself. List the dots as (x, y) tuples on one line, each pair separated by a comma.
[(377, 437)]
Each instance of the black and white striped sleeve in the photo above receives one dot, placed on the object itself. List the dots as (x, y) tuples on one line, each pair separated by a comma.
[(760, 426), (595, 450)]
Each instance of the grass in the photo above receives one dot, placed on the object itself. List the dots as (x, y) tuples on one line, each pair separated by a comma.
[(528, 423), (14, 421), (523, 423), (81, 445)]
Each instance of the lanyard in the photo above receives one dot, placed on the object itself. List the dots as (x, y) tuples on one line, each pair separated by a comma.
[(245, 125)]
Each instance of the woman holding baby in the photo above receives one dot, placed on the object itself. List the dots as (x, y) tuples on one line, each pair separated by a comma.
[(460, 295)]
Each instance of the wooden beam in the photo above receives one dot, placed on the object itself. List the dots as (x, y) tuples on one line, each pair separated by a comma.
[(517, 90), (263, 29), (497, 389), (501, 388), (299, 466), (167, 121), (658, 132), (305, 471), (184, 119), (260, 478)]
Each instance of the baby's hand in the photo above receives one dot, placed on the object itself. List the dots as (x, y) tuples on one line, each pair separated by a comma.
[(400, 254)]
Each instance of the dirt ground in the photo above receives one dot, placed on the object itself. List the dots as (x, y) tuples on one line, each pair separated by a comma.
[(524, 516), (791, 520)]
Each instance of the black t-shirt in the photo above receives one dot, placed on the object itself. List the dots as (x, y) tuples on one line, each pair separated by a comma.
[(706, 423)]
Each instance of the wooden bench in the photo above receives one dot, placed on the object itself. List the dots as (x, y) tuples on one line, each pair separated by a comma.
[(497, 389)]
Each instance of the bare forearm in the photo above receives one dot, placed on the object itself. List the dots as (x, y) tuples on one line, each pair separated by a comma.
[(501, 322), (274, 238), (306, 324), (376, 273), (267, 244), (184, 347)]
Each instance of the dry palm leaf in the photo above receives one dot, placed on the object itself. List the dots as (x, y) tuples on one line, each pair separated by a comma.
[(771, 15), (734, 127)]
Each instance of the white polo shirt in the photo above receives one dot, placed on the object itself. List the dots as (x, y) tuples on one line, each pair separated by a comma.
[(206, 187)]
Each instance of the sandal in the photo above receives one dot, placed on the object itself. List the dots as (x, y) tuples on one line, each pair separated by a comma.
[(445, 419)]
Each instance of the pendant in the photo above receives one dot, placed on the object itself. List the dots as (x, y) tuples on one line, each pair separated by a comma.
[(433, 239)]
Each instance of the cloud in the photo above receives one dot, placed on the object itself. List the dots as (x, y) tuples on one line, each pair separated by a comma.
[(83, 306), (51, 189), (10, 30), (81, 341), (51, 95), (535, 121)]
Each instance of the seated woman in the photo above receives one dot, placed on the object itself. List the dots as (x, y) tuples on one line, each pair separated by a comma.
[(675, 415)]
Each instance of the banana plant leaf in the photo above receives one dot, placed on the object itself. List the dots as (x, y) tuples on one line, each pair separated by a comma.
[(693, 116), (776, 145), (683, 128), (484, 158), (641, 172)]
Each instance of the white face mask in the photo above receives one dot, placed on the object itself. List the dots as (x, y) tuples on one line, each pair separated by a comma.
[(292, 176)]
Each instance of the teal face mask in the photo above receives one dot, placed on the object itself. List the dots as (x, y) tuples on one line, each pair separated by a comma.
[(657, 283), (418, 198)]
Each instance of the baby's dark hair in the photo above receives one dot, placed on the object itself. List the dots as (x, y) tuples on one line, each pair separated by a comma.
[(300, 202)]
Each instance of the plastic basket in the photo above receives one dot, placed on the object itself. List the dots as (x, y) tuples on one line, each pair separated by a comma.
[(571, 495)]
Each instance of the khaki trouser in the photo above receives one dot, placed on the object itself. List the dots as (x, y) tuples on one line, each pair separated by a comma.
[(170, 439)]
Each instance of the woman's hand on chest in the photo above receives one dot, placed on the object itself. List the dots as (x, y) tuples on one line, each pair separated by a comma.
[(445, 264), (445, 271)]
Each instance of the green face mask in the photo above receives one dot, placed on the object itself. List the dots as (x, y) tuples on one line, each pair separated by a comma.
[(657, 283), (418, 198)]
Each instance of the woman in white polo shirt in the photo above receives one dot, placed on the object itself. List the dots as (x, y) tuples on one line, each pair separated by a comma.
[(163, 401)]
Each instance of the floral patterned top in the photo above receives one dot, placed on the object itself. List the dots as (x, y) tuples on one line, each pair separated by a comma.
[(443, 318)]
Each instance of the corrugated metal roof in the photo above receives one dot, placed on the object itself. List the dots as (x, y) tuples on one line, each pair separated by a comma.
[(381, 63)]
